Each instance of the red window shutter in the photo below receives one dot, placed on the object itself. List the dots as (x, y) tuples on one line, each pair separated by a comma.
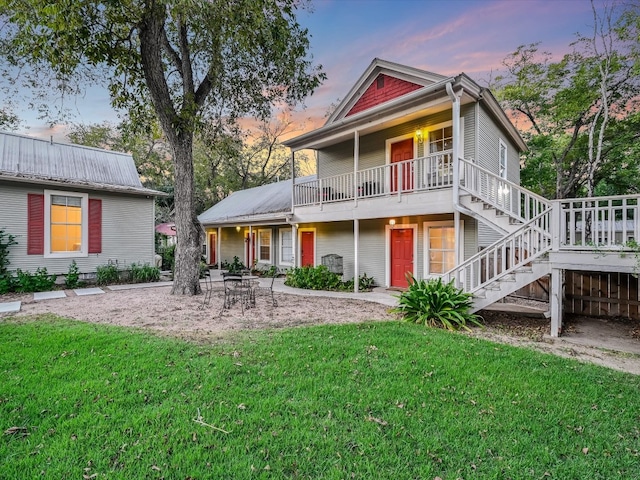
[(35, 224), (95, 225)]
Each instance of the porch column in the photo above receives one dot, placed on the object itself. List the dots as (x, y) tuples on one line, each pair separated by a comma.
[(356, 261), (556, 301), (294, 244), (356, 162), (250, 246), (293, 180), (219, 248)]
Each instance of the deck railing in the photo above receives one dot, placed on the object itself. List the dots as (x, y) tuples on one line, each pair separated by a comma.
[(599, 222), (505, 256), (508, 197), (420, 174)]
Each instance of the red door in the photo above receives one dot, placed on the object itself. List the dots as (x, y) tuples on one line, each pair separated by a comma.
[(307, 249), (212, 249), (401, 256), (401, 151)]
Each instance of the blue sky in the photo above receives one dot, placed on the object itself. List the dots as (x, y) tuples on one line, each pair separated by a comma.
[(443, 36)]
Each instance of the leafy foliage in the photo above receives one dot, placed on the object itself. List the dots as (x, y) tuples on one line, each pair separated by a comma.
[(178, 63), (234, 267), (436, 304), (6, 241), (320, 278), (40, 281), (143, 273), (577, 114), (107, 274), (72, 278)]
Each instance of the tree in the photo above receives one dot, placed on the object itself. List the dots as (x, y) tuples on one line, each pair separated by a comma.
[(567, 106), (193, 59)]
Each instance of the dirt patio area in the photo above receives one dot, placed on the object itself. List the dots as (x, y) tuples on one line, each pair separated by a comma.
[(612, 343)]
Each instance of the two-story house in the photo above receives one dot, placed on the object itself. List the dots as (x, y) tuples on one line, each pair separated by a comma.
[(416, 172)]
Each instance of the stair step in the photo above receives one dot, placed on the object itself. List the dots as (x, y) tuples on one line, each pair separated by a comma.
[(508, 278), (524, 270)]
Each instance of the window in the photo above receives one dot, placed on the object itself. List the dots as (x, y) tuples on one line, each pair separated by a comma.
[(286, 247), (441, 139), (63, 224), (442, 253), (264, 245), (503, 159)]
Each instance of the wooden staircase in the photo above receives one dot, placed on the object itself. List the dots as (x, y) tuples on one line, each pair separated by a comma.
[(520, 256)]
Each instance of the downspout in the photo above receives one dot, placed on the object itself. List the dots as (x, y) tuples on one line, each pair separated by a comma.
[(457, 207), (294, 227), (218, 248), (356, 222)]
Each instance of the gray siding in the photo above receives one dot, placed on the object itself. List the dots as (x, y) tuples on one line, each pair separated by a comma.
[(468, 115), (338, 159), (127, 231), (488, 144), (231, 245)]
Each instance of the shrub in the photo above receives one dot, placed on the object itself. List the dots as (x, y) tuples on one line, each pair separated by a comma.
[(143, 273), (234, 267), (436, 304), (72, 278), (40, 281), (168, 255), (320, 278), (6, 280), (107, 274)]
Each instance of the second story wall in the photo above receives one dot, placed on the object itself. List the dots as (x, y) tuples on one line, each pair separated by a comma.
[(490, 138)]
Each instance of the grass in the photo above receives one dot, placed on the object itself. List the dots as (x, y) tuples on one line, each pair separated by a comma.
[(377, 400)]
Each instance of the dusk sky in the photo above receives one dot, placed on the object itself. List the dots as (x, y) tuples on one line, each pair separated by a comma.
[(443, 36)]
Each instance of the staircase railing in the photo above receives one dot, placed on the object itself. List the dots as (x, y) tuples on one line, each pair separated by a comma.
[(512, 252), (503, 195)]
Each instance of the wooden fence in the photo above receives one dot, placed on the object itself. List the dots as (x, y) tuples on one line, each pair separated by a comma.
[(592, 293)]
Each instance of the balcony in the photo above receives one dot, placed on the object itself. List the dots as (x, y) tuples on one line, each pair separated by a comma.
[(422, 174)]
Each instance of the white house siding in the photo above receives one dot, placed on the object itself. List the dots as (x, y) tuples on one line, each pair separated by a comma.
[(127, 230)]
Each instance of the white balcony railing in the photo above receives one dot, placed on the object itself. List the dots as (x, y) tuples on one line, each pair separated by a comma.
[(599, 222), (420, 174)]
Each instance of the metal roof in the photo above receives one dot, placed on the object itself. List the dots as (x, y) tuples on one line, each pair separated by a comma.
[(24, 158), (271, 202)]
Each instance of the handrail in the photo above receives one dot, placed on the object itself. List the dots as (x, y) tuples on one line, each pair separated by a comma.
[(504, 256), (502, 194)]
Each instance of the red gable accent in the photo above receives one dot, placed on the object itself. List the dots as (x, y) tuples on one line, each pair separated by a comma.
[(392, 88), (95, 225), (35, 224)]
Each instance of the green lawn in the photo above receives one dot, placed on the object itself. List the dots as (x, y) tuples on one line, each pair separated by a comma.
[(370, 401)]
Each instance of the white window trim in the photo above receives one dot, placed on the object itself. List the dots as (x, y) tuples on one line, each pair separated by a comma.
[(387, 250), (259, 259), (84, 205), (282, 260), (425, 244), (501, 144)]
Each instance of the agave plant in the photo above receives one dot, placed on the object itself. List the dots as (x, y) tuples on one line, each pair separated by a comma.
[(436, 304)]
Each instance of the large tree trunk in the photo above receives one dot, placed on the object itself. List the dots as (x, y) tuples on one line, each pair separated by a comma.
[(189, 235)]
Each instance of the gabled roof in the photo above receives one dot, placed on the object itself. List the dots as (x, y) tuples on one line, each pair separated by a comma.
[(382, 67), (264, 204), (33, 160), (410, 105)]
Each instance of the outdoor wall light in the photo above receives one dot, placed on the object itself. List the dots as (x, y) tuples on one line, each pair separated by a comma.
[(237, 229), (392, 222), (419, 136)]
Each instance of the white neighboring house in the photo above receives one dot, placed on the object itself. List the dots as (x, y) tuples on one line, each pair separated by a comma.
[(65, 202)]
